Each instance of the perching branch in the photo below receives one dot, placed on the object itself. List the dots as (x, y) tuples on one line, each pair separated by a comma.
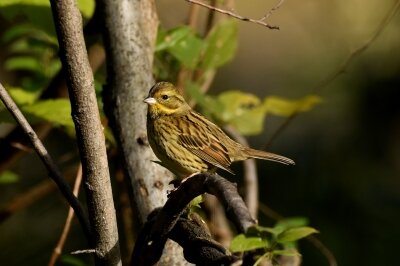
[(149, 250), (232, 14), (52, 168), (89, 131)]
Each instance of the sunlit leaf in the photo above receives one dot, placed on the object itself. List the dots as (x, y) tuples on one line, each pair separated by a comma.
[(285, 107), (294, 234), (242, 111), (245, 243), (235, 103), (220, 45), (196, 202), (38, 12), (86, 7), (187, 49), (21, 96), (26, 2), (56, 111), (167, 39), (8, 177)]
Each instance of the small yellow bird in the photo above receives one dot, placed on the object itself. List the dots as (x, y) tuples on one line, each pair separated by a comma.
[(186, 142)]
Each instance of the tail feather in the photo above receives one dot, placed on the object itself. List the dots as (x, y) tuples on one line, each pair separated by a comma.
[(252, 153)]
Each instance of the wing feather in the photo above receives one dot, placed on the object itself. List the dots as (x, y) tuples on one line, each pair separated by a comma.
[(204, 144)]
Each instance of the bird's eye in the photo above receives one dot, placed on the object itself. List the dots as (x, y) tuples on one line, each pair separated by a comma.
[(165, 97)]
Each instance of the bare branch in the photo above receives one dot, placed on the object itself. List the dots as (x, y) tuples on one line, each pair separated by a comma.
[(357, 52), (234, 15), (52, 168), (148, 250), (343, 66), (276, 7), (89, 131), (60, 244)]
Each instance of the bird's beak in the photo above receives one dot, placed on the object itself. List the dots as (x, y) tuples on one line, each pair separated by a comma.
[(150, 100)]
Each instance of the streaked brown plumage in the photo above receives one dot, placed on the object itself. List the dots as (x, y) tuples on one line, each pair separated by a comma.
[(188, 143)]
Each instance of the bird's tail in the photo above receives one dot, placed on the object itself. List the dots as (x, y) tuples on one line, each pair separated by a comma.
[(252, 153)]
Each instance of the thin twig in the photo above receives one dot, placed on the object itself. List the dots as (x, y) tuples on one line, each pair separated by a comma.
[(343, 66), (276, 7), (60, 245), (54, 172), (357, 52), (232, 14)]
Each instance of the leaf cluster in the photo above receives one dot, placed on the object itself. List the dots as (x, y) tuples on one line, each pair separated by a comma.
[(271, 242)]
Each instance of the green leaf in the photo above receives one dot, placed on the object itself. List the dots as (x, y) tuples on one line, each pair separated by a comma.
[(294, 234), (26, 63), (285, 107), (243, 243), (220, 45), (274, 231), (26, 2), (292, 222), (168, 39), (286, 252), (86, 7), (8, 177), (37, 12), (196, 202), (56, 111), (16, 31), (241, 110), (22, 96), (187, 49)]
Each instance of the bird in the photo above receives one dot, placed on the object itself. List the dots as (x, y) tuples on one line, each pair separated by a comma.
[(187, 143)]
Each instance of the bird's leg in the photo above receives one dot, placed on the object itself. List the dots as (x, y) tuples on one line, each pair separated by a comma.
[(177, 182), (186, 178)]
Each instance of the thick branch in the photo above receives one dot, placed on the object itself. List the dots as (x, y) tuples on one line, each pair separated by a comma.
[(148, 250), (89, 131), (54, 172)]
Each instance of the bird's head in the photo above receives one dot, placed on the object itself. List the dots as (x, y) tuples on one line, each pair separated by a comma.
[(165, 99)]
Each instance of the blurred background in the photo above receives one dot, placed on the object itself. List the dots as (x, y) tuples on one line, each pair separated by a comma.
[(346, 181)]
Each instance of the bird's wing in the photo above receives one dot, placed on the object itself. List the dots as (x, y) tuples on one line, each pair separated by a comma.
[(208, 149)]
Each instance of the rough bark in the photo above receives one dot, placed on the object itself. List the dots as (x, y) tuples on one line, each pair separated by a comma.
[(89, 132), (130, 32)]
